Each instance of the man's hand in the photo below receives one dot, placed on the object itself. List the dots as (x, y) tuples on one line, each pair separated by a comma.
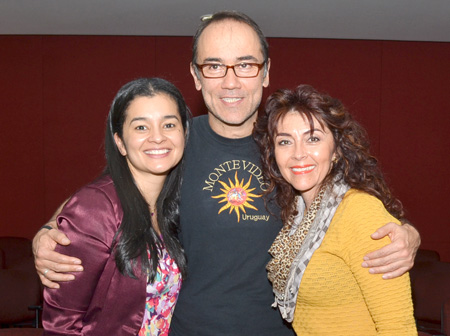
[(50, 265), (397, 258)]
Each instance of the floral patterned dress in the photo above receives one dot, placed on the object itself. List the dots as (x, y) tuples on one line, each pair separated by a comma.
[(162, 295)]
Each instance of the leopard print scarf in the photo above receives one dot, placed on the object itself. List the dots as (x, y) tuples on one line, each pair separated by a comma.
[(296, 243), (288, 243)]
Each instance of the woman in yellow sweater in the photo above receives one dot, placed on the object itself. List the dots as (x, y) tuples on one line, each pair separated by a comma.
[(332, 197)]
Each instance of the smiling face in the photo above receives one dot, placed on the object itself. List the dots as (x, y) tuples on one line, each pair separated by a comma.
[(152, 137), (304, 159), (232, 102)]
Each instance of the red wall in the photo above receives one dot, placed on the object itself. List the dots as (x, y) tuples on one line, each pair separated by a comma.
[(56, 90)]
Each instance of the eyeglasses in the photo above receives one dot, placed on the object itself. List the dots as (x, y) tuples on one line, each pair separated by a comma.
[(217, 70)]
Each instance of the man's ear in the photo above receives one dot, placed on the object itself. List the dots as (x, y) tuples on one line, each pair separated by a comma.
[(266, 73), (120, 145), (196, 75)]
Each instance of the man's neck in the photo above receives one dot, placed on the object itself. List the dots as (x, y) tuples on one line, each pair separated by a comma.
[(232, 131)]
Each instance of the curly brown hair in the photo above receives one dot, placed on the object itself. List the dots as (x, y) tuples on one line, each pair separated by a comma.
[(354, 164)]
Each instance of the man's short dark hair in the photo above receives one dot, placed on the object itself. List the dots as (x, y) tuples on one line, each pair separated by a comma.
[(234, 16)]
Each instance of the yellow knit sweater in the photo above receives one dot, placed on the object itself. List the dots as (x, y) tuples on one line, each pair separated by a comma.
[(339, 297)]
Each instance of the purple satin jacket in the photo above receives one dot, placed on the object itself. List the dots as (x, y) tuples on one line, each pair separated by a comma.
[(100, 301)]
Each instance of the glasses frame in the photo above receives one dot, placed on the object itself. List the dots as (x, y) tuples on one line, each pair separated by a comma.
[(259, 65)]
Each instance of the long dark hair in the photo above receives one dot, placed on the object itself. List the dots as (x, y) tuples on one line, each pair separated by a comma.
[(355, 164), (136, 234)]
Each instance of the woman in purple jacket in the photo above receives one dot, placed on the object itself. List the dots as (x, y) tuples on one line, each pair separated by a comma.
[(124, 225)]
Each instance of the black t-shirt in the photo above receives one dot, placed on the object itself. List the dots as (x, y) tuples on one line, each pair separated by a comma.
[(226, 232)]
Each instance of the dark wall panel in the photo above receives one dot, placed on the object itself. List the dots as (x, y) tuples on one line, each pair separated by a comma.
[(415, 142), (56, 92), (21, 134)]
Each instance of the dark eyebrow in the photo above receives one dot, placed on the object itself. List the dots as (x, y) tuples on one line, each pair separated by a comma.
[(212, 59), (308, 131), (137, 119), (282, 134), (170, 116), (314, 130), (248, 58), (239, 59)]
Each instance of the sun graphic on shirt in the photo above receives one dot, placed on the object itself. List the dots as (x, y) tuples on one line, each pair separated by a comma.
[(237, 196)]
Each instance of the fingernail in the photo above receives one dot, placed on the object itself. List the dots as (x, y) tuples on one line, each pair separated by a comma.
[(77, 262), (385, 277), (371, 271), (79, 268), (364, 264)]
